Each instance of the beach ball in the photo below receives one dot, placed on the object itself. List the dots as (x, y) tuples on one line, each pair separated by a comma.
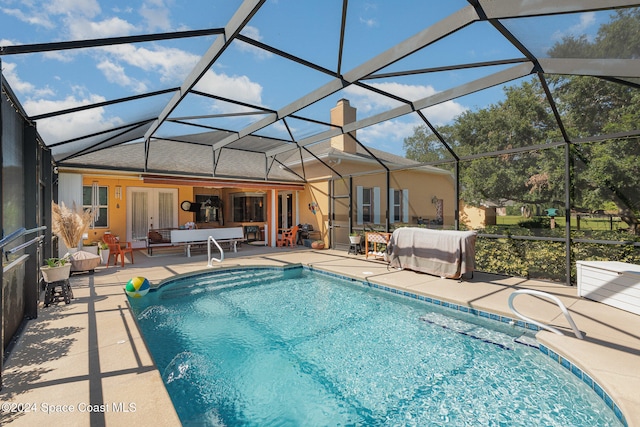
[(137, 287)]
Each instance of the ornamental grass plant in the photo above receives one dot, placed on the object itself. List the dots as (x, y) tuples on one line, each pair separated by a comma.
[(69, 223)]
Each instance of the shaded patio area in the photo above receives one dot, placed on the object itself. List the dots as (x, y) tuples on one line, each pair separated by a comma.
[(88, 357)]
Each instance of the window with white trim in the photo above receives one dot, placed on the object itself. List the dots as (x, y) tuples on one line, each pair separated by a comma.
[(97, 197), (367, 205), (398, 205)]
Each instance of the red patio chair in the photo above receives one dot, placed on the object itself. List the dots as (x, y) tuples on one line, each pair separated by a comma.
[(288, 238), (116, 249)]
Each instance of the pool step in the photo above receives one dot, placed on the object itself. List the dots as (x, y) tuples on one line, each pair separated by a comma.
[(218, 281), (500, 339)]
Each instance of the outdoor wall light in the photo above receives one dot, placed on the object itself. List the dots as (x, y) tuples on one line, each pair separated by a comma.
[(118, 192)]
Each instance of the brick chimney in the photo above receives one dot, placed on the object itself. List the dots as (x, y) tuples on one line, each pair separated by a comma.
[(342, 114)]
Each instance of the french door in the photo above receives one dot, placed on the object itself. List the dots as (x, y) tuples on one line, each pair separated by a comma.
[(285, 210), (150, 208)]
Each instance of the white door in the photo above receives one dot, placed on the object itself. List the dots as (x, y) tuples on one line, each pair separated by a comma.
[(150, 208)]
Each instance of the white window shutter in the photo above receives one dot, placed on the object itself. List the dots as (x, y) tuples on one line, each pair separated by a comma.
[(405, 206), (391, 206), (376, 205), (359, 205)]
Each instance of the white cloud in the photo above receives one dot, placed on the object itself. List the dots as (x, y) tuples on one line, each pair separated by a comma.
[(252, 33), (32, 17), (370, 102), (68, 126), (369, 22), (389, 135), (442, 114), (9, 70), (172, 64), (115, 74), (85, 29), (391, 132), (156, 15), (88, 8), (587, 21), (62, 55), (240, 88)]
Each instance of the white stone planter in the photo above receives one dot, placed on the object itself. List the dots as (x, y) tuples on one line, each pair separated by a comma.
[(104, 255), (93, 249), (56, 274), (355, 239)]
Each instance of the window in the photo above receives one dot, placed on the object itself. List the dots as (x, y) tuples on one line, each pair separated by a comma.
[(368, 205), (398, 205), (248, 207), (100, 201)]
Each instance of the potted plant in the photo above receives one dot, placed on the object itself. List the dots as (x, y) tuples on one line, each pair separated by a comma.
[(355, 238), (69, 224), (104, 252), (91, 247), (317, 244), (56, 269)]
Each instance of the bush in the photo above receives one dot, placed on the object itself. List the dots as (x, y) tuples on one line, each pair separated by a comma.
[(537, 222), (542, 259)]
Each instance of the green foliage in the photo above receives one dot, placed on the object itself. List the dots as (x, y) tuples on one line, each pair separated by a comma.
[(55, 262), (601, 174), (547, 259), (536, 222)]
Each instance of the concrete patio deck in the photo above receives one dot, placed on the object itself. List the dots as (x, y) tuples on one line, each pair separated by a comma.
[(86, 364)]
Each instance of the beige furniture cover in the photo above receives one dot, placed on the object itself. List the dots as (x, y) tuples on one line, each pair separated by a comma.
[(444, 253), (84, 261)]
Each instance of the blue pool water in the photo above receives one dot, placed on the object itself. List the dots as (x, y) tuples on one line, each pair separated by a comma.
[(269, 347)]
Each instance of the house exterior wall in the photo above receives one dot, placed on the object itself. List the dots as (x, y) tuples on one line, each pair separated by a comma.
[(315, 198), (422, 188), (117, 221)]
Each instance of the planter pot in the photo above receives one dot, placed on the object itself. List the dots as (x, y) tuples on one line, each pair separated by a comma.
[(104, 255), (91, 249), (56, 274), (317, 245), (354, 239)]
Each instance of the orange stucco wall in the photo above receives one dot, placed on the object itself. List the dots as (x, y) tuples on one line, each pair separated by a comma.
[(117, 221)]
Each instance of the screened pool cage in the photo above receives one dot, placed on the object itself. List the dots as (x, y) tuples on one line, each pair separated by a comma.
[(528, 107)]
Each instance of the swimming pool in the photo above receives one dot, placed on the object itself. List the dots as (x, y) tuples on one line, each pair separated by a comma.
[(295, 347)]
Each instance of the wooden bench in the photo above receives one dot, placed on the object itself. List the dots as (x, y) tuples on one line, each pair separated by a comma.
[(189, 238)]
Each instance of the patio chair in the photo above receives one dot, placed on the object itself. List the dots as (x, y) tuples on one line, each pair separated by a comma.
[(288, 237), (116, 249)]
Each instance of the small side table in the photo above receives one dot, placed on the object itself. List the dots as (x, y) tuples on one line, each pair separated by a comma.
[(57, 291)]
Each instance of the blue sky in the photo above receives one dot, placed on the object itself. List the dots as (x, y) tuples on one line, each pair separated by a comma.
[(308, 29)]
